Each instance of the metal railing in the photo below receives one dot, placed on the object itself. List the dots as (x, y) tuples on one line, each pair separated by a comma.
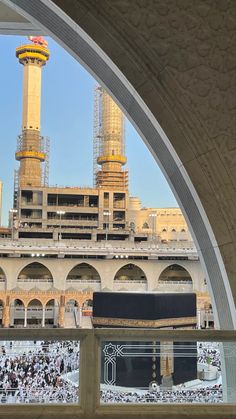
[(116, 246), (183, 282), (83, 281), (130, 281), (50, 280)]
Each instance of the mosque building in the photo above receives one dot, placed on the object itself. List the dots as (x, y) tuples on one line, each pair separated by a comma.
[(123, 246)]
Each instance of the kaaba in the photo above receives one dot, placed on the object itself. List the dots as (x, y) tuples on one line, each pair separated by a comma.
[(123, 309), (138, 364)]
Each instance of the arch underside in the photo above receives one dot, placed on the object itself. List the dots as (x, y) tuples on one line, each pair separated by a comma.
[(130, 272), (165, 85), (35, 271), (83, 271)]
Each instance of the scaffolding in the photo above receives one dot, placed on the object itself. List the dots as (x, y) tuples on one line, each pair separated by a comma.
[(97, 131), (35, 146), (16, 189), (34, 143), (45, 165), (108, 143)]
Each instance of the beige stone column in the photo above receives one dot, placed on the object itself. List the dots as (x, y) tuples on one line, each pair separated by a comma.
[(43, 317), (6, 316), (25, 319), (61, 317)]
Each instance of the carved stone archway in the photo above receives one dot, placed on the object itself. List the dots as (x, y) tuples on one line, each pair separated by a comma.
[(169, 63)]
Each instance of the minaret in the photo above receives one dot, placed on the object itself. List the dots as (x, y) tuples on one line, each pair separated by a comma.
[(30, 151), (111, 154)]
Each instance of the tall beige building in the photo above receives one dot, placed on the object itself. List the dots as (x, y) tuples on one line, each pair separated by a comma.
[(164, 224)]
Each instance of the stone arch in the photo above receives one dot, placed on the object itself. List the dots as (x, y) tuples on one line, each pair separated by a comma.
[(73, 298), (1, 310), (35, 272), (3, 277), (51, 308), (71, 301), (87, 296), (49, 298), (18, 301), (87, 303), (175, 278), (130, 272), (83, 271), (34, 300), (157, 84), (87, 308), (17, 312), (175, 271), (34, 312), (73, 311)]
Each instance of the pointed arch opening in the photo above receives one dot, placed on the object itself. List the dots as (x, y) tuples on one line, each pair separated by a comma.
[(83, 272), (175, 278), (51, 313), (35, 272), (72, 314), (34, 313), (130, 273), (2, 279), (130, 278), (87, 307), (1, 311), (2, 275), (17, 313)]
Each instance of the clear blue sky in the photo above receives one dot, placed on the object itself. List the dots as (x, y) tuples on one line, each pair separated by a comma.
[(67, 119)]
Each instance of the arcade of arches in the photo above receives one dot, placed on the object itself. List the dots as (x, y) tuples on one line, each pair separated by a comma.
[(35, 300)]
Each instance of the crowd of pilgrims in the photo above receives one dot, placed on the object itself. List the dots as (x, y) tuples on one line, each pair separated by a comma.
[(199, 395), (38, 373), (209, 353)]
